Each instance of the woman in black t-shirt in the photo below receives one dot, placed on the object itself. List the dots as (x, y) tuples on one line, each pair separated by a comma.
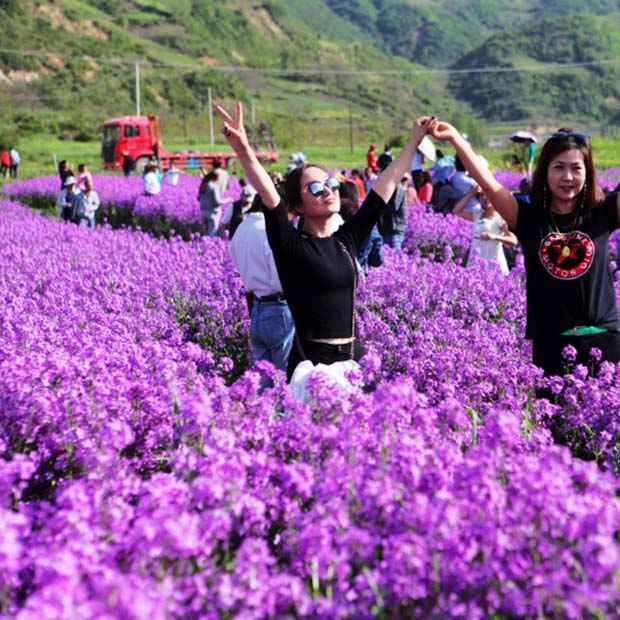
[(316, 263), (564, 234)]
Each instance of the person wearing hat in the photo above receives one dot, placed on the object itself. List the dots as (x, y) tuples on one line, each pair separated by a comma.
[(66, 198), (410, 192), (237, 211), (152, 185)]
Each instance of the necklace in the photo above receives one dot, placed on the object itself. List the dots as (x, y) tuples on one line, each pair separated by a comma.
[(565, 248)]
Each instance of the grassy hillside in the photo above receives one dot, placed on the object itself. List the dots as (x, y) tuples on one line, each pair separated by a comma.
[(83, 71), (320, 72)]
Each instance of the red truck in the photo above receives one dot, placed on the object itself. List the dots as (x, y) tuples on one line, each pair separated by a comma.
[(140, 137)]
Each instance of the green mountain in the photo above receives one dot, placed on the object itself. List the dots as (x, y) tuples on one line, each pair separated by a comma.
[(438, 34), (320, 71), (588, 90)]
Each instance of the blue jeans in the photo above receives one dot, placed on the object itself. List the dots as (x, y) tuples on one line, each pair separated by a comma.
[(394, 240), (272, 332), (210, 220), (86, 220)]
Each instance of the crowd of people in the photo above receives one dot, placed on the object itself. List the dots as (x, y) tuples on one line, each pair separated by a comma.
[(301, 241), (77, 199), (560, 217)]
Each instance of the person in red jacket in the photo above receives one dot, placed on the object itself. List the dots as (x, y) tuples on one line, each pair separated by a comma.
[(5, 162), (356, 177), (371, 158)]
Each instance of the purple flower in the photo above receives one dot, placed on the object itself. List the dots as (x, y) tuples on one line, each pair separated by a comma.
[(569, 353), (596, 354)]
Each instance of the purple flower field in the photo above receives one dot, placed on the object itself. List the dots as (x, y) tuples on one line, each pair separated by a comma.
[(144, 474), (123, 201)]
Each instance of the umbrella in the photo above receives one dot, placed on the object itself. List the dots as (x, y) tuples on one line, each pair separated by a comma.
[(427, 148), (523, 136)]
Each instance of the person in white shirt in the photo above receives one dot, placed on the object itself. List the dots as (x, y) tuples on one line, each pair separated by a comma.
[(152, 186), (490, 231), (272, 330), (417, 166), (85, 205), (172, 176), (15, 161), (223, 178)]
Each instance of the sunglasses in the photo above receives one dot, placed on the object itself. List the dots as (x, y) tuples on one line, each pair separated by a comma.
[(318, 188), (570, 134)]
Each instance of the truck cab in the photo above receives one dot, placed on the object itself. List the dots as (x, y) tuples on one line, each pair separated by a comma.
[(139, 136)]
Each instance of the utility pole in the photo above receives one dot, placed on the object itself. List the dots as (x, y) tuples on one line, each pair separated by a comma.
[(210, 105), (350, 129), (137, 88)]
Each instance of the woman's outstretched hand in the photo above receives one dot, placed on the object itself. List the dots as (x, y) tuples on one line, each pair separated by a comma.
[(421, 127), (233, 129), (234, 132), (442, 131)]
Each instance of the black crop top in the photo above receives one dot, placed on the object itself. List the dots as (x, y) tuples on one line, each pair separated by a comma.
[(317, 273)]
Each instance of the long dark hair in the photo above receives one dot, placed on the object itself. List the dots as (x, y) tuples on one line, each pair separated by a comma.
[(292, 185), (555, 145)]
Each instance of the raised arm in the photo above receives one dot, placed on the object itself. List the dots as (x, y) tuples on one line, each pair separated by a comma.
[(234, 132), (388, 180), (459, 207), (502, 199)]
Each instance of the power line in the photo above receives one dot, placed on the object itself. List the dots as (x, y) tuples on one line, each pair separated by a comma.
[(323, 71)]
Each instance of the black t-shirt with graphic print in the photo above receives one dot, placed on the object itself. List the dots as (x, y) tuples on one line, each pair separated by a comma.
[(569, 282)]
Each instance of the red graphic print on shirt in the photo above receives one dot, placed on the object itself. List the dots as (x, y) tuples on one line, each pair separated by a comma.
[(567, 255)]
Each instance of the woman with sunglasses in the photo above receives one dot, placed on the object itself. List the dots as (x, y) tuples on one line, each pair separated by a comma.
[(564, 232), (316, 264)]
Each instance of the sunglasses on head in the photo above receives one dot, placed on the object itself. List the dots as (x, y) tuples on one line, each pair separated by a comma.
[(570, 134), (318, 188)]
